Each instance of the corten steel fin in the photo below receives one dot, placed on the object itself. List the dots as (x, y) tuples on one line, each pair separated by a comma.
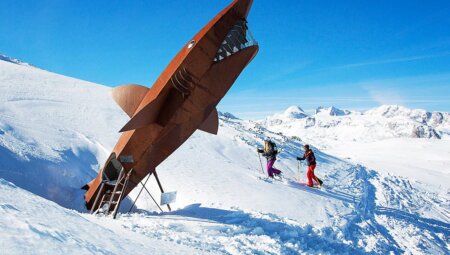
[(182, 100), (211, 123), (128, 97)]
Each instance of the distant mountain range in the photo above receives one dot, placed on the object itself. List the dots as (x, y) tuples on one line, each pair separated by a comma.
[(386, 121)]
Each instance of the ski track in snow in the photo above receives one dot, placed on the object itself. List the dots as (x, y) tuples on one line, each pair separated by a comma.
[(54, 139), (370, 227)]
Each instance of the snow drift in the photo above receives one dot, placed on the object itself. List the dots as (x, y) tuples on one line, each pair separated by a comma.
[(52, 131)]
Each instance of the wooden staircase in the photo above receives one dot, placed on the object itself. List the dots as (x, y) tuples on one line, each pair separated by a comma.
[(112, 195)]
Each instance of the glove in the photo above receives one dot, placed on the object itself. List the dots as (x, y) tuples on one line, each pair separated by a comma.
[(259, 150), (298, 158)]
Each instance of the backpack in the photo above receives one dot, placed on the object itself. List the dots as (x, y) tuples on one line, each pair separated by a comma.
[(274, 148)]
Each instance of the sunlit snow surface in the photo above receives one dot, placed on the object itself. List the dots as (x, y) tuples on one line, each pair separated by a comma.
[(55, 132)]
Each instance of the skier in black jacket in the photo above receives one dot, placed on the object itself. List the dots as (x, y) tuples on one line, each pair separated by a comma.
[(311, 162), (270, 153)]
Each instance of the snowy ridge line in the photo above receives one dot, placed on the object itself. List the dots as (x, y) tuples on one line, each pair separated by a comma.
[(14, 61), (386, 121)]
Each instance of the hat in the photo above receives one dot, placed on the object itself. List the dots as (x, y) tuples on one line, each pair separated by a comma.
[(267, 139)]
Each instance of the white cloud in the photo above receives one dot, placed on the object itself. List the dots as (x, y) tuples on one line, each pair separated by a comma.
[(386, 96), (394, 60)]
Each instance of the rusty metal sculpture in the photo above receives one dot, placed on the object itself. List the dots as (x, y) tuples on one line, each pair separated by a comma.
[(182, 100)]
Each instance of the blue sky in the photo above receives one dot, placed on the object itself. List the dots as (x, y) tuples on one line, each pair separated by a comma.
[(351, 54)]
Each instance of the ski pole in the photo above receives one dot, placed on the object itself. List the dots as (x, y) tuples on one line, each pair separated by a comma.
[(298, 169), (262, 169)]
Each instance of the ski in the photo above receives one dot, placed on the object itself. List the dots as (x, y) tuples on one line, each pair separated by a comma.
[(270, 180), (306, 185)]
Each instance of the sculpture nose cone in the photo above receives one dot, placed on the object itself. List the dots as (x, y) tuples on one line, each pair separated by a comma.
[(243, 7)]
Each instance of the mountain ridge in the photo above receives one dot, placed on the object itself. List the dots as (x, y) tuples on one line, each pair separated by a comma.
[(394, 120)]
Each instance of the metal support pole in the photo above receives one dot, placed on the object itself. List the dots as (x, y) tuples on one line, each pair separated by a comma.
[(156, 203), (160, 187), (134, 202)]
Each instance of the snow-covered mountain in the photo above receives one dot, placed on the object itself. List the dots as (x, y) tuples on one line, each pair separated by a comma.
[(13, 60), (331, 111), (386, 121), (56, 131)]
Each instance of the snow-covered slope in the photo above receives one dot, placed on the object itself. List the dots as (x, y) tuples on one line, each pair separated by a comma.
[(56, 132), (52, 131), (32, 225)]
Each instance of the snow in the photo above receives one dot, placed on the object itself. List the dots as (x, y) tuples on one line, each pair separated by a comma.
[(227, 115), (418, 159), (51, 140), (331, 111), (33, 225), (13, 60), (56, 131), (387, 121), (293, 112)]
